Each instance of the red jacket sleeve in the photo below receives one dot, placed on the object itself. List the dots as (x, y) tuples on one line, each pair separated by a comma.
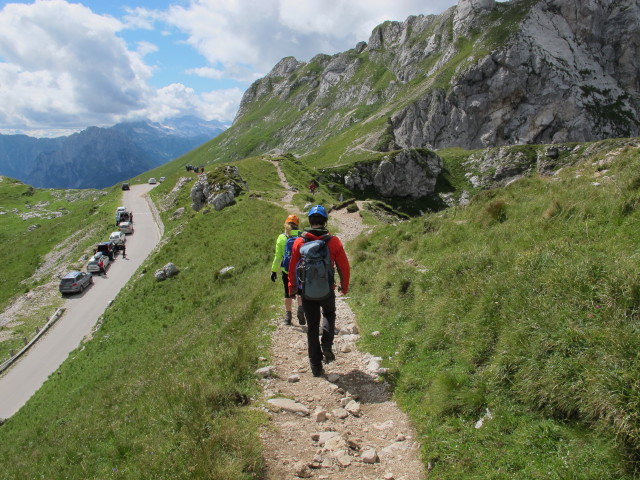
[(341, 262)]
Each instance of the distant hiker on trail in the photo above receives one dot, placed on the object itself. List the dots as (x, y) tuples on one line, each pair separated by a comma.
[(312, 187), (284, 243), (313, 258)]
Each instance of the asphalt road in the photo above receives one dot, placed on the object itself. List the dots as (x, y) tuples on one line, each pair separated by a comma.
[(26, 376)]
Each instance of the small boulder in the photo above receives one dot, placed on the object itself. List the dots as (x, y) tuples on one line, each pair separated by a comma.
[(336, 444), (264, 372), (178, 213), (340, 413), (302, 470), (353, 408), (370, 456), (170, 270), (320, 415), (323, 437), (343, 459), (289, 405)]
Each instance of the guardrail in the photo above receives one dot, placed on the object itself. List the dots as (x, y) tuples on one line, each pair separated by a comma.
[(58, 313)]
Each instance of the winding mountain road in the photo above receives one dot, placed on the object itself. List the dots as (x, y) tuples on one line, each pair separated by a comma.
[(24, 378)]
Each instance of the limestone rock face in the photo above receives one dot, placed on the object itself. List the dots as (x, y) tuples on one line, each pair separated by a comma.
[(540, 72), (408, 173), (565, 76), (218, 188)]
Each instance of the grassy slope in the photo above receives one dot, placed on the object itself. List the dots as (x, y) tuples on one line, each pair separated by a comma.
[(160, 391), (525, 303), (21, 251)]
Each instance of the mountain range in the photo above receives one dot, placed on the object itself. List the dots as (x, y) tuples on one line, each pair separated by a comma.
[(100, 157), (482, 74)]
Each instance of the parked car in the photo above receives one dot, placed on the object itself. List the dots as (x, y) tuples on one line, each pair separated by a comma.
[(74, 282), (96, 261), (107, 248), (152, 181), (126, 227), (117, 238), (122, 215), (162, 179), (125, 186)]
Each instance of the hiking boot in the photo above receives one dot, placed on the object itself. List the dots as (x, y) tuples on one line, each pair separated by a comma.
[(317, 370), (287, 318), (301, 319), (328, 355)]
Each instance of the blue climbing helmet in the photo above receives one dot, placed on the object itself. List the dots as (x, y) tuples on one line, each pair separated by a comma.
[(318, 210)]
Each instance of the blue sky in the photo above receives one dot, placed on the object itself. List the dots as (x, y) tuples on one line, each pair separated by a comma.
[(66, 65)]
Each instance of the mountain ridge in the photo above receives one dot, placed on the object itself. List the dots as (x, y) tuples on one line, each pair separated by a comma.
[(99, 157), (481, 74)]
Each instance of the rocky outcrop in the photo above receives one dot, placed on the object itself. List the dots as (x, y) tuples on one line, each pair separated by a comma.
[(498, 167), (218, 188), (168, 271), (407, 173), (563, 77)]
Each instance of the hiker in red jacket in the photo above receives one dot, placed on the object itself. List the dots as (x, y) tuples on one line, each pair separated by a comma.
[(306, 269)]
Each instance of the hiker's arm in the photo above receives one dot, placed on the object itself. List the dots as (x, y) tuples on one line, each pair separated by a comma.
[(293, 267), (343, 267), (280, 242)]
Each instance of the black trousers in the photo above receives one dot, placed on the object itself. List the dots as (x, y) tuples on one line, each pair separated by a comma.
[(312, 314)]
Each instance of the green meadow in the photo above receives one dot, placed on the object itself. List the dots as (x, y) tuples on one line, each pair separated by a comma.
[(525, 304)]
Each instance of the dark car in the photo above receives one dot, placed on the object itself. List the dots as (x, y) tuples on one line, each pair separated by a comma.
[(74, 282), (107, 248), (125, 186)]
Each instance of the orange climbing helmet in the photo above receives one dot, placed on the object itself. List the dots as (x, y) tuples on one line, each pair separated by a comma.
[(293, 219)]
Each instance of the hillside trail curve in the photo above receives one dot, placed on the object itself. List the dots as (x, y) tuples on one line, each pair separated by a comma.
[(343, 425)]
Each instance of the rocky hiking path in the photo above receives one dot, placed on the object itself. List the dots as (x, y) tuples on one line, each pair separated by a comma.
[(343, 425)]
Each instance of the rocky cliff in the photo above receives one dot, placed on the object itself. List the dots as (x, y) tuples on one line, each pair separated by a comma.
[(218, 188), (482, 74), (401, 174)]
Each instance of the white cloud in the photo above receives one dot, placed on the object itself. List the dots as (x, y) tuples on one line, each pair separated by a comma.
[(145, 48), (177, 100), (258, 33), (64, 63), (207, 72)]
